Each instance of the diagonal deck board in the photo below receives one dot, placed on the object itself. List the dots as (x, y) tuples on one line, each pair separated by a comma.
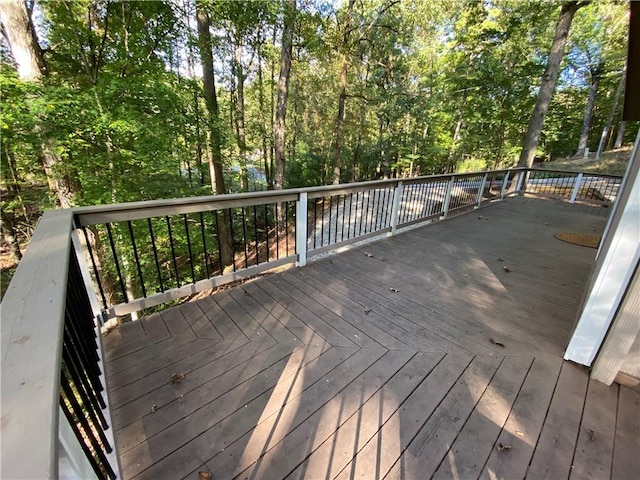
[(324, 372)]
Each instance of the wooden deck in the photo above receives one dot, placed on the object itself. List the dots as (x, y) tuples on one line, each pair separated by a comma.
[(414, 357)]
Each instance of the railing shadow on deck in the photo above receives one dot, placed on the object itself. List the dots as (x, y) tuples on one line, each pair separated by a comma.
[(86, 265)]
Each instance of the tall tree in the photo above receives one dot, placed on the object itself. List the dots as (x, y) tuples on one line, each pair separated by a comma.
[(217, 177), (283, 93), (342, 95), (595, 72), (20, 32), (548, 81)]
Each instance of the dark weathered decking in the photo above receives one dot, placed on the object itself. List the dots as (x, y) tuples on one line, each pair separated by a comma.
[(326, 372)]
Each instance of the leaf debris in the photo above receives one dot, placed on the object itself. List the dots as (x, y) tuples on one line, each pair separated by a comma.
[(502, 447), (154, 407), (368, 254), (394, 290), (367, 310), (496, 342), (176, 377), (506, 269), (592, 434), (204, 475)]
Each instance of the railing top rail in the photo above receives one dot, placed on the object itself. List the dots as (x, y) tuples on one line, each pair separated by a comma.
[(94, 214), (33, 312), (573, 172)]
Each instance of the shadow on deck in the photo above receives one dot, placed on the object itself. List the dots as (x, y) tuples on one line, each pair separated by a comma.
[(433, 353)]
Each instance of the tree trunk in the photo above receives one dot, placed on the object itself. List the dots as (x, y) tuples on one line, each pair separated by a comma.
[(548, 82), (217, 179), (26, 51), (283, 92), (616, 100), (263, 128), (239, 120), (342, 96), (8, 229), (620, 136), (588, 113), (22, 40)]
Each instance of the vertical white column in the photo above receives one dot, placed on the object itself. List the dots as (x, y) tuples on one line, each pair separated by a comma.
[(447, 197), (481, 190), (395, 207), (576, 188), (301, 229)]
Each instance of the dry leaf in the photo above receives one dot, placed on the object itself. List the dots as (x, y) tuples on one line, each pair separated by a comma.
[(394, 290), (368, 254), (592, 434), (479, 217), (176, 377), (506, 269), (154, 407), (502, 447), (204, 475), (496, 342), (500, 259), (246, 293), (367, 310), (519, 433)]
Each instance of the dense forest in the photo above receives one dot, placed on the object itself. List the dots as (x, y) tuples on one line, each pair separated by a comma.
[(112, 101)]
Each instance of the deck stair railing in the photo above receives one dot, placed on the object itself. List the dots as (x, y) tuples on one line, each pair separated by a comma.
[(88, 264)]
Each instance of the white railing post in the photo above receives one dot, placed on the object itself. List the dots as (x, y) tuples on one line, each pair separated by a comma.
[(481, 190), (521, 180), (447, 197), (301, 229), (505, 181), (576, 188), (395, 207)]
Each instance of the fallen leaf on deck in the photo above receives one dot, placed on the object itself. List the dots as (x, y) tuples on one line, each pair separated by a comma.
[(479, 217), (176, 377), (502, 447), (367, 310), (368, 254), (519, 433), (506, 269), (592, 434), (246, 293), (154, 407), (394, 290), (500, 259), (496, 342), (204, 475)]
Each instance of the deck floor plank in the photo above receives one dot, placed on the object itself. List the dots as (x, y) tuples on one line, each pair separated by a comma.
[(325, 372), (626, 461), (594, 450), (557, 442)]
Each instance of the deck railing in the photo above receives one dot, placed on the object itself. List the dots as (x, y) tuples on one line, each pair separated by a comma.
[(88, 264)]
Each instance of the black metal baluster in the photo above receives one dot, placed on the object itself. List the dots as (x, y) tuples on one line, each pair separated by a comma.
[(358, 220), (315, 221), (233, 243), (376, 201), (295, 231), (344, 209), (84, 390), (155, 254), (117, 262), (173, 251), (85, 448), (366, 215), (322, 225), (255, 233), (204, 244), (186, 231), (277, 221), (136, 258), (329, 226), (95, 268), (244, 238), (218, 242), (335, 234), (350, 210), (266, 231)]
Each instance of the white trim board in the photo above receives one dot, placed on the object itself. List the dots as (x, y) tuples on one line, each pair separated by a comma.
[(613, 271)]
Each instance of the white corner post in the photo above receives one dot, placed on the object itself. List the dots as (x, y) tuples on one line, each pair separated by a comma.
[(301, 229), (395, 207), (616, 261), (521, 181), (72, 461), (505, 180), (576, 188), (447, 197), (481, 190)]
